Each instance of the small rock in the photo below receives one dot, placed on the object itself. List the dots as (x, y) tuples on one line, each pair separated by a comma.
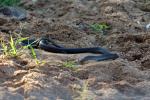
[(15, 12), (148, 26)]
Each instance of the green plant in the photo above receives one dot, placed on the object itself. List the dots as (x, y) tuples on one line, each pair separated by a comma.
[(84, 93), (33, 53), (10, 48), (9, 2), (100, 27), (69, 64), (13, 50), (4, 47)]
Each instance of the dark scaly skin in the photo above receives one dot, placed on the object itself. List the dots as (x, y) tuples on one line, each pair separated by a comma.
[(44, 44)]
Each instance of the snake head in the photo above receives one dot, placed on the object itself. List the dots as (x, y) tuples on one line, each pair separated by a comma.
[(30, 42)]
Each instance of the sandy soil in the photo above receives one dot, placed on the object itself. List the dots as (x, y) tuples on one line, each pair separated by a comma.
[(67, 22)]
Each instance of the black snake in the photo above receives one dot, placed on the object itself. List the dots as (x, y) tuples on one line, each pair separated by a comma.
[(51, 46)]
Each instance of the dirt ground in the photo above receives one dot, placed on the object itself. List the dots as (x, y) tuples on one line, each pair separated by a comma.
[(66, 21)]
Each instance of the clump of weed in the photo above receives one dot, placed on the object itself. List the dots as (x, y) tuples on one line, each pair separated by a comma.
[(69, 64), (84, 93), (100, 27), (14, 49), (34, 55), (9, 2), (10, 48), (4, 47)]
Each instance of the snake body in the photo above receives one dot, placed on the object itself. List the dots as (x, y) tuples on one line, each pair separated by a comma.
[(44, 44)]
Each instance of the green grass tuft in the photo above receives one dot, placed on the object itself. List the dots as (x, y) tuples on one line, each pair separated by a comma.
[(10, 48), (33, 53), (100, 27), (9, 2), (69, 64)]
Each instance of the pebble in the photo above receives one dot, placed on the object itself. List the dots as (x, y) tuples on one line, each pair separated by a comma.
[(148, 26)]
